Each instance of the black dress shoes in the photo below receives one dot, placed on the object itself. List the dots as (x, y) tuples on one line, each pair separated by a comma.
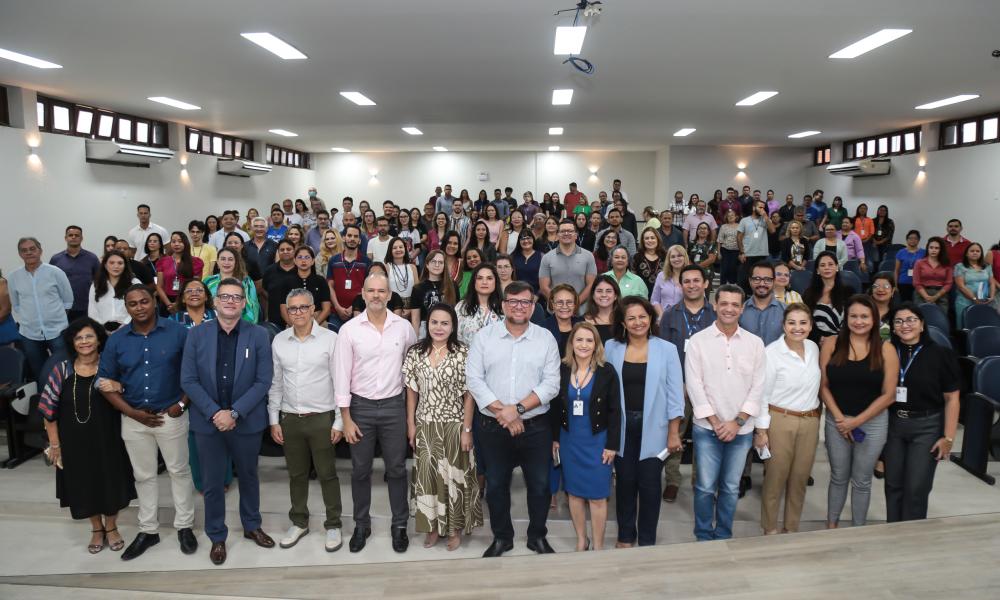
[(497, 548), (140, 544), (218, 553), (260, 538), (359, 539), (189, 544), (400, 542), (540, 546)]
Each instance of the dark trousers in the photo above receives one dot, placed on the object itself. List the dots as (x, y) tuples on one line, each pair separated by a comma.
[(637, 481), (307, 443), (729, 272), (72, 315), (36, 352), (906, 292), (382, 421), (910, 466), (532, 451), (216, 451)]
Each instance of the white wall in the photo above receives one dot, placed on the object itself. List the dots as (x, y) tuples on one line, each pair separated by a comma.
[(409, 178), (961, 183), (704, 169)]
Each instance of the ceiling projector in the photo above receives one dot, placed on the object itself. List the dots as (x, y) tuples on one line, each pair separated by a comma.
[(593, 9)]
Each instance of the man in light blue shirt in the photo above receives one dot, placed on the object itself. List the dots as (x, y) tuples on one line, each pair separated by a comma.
[(40, 295), (763, 315), (513, 372)]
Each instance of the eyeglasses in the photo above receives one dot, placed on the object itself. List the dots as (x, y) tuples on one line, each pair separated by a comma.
[(230, 297), (303, 257), (87, 337), (294, 310), (881, 286), (564, 304), (515, 303), (906, 321), (761, 279)]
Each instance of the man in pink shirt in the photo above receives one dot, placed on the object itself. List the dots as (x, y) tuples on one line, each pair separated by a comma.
[(368, 388), (724, 377)]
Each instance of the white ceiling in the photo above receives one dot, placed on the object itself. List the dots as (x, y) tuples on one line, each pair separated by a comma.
[(478, 75)]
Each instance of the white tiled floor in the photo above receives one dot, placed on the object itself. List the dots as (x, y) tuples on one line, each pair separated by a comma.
[(40, 538)]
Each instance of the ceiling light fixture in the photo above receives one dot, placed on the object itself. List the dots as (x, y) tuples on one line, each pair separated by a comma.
[(339, 149), (283, 132), (947, 101), (413, 131), (569, 40), (756, 98), (553, 148), (440, 149), (803, 134), (175, 103), (561, 97), (555, 130), (684, 132), (871, 42), (31, 61), (358, 98), (275, 45)]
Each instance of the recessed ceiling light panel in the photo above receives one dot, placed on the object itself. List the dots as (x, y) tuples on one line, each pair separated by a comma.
[(275, 45)]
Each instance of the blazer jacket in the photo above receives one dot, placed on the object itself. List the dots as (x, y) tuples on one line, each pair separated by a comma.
[(605, 405), (252, 380)]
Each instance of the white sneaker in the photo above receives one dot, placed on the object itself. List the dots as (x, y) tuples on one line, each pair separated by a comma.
[(333, 539), (293, 536)]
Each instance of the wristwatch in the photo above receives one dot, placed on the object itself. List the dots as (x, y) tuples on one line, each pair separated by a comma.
[(740, 421), (232, 413), (520, 409), (182, 405), (466, 430)]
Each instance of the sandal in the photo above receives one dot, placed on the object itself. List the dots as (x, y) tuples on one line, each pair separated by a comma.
[(454, 541), (431, 539), (115, 546), (95, 548)]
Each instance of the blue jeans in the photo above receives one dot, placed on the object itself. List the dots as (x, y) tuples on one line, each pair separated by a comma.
[(717, 486), (36, 352)]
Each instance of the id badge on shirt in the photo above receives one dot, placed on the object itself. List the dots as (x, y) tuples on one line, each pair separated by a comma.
[(901, 394), (348, 284), (177, 285), (578, 408), (756, 234), (909, 272), (686, 342)]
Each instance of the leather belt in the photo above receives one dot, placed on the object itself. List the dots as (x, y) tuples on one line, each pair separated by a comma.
[(902, 413), (794, 413)]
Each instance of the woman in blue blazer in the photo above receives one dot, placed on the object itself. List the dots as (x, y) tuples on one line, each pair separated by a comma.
[(652, 405)]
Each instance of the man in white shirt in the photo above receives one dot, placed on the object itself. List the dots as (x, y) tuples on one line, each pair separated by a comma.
[(338, 219), (138, 234), (724, 376), (218, 239), (379, 246), (291, 217), (304, 416)]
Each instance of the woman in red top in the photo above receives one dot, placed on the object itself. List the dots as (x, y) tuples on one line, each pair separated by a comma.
[(864, 226), (932, 275), (173, 271)]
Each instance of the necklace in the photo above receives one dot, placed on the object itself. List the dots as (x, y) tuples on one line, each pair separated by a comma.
[(437, 352), (76, 413), (402, 282)]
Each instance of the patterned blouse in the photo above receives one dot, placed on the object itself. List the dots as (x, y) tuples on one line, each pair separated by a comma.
[(440, 388), (469, 326), (727, 237)]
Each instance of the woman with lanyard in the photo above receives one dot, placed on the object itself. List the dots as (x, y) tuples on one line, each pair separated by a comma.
[(924, 418), (586, 438), (402, 271)]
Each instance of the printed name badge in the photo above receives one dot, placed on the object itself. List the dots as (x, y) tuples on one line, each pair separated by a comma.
[(909, 272), (347, 284), (756, 234), (901, 395), (578, 408), (686, 342)]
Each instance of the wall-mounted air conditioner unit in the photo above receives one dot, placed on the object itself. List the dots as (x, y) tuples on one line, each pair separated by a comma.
[(868, 167), (117, 153), (242, 168)]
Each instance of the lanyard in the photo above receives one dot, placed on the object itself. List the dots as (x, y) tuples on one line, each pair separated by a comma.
[(576, 384), (687, 323), (902, 369)]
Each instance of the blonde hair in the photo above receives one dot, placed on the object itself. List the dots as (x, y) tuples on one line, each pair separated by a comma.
[(668, 271), (596, 359)]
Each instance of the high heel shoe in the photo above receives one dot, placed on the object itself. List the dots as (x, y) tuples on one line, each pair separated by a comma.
[(115, 546), (95, 548)]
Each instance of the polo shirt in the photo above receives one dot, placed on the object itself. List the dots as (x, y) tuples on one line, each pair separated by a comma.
[(572, 269), (147, 365), (348, 277), (630, 284), (263, 256), (80, 271), (677, 325), (754, 232)]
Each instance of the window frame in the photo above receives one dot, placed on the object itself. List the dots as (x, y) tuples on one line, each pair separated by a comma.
[(286, 157), (48, 105), (959, 124), (224, 141), (888, 139), (822, 155)]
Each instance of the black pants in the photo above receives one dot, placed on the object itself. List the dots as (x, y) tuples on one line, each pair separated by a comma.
[(906, 291), (909, 465), (532, 451), (636, 480), (729, 271)]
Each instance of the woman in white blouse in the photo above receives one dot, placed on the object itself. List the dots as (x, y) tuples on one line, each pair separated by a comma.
[(789, 424), (107, 293)]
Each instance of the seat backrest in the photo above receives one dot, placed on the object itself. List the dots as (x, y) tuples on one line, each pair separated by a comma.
[(12, 366), (272, 329), (940, 337), (851, 280), (888, 264), (978, 315), (800, 281), (984, 341), (986, 378), (933, 315)]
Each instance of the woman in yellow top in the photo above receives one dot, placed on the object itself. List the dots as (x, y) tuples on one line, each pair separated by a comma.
[(199, 249)]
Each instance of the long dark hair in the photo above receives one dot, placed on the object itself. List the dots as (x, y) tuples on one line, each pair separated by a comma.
[(470, 303), (145, 247), (525, 233), (424, 345), (620, 331), (185, 268), (942, 256), (388, 252), (448, 292), (839, 293), (842, 347), (101, 277), (591, 305), (601, 251)]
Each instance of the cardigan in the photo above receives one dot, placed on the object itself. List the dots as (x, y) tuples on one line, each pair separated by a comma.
[(604, 405)]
